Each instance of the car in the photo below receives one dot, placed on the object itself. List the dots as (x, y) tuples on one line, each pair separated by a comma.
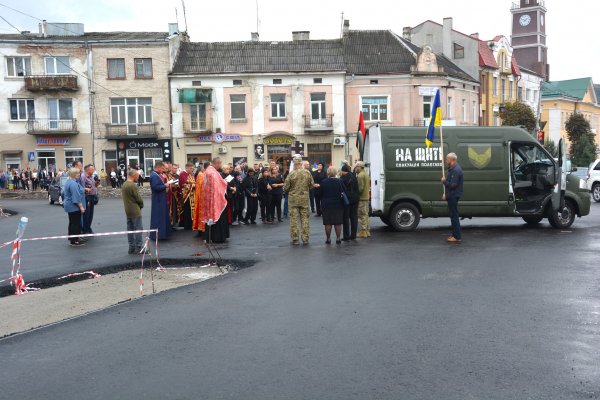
[(593, 180), (582, 173), (56, 190)]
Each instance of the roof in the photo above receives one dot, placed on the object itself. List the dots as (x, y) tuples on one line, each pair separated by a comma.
[(550, 91), (486, 56), (597, 90), (515, 66), (88, 36), (359, 52), (437, 23), (574, 88)]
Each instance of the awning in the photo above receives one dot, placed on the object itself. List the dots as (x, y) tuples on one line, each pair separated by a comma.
[(195, 95), (11, 151)]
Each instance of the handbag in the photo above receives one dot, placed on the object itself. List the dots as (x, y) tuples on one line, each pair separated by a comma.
[(344, 197)]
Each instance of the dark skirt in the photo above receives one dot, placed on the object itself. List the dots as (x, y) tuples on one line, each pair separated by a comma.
[(333, 216), (219, 231)]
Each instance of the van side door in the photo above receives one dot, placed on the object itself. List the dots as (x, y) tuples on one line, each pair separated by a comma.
[(558, 195), (376, 171)]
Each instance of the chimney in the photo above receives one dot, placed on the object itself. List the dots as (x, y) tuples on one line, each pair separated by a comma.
[(447, 38), (41, 32), (406, 33), (44, 26), (173, 29), (254, 36), (300, 35), (474, 35), (346, 29)]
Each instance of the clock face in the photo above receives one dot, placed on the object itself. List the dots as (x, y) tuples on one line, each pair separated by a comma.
[(542, 20), (525, 20)]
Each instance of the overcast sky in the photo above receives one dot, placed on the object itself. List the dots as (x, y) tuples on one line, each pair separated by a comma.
[(571, 25)]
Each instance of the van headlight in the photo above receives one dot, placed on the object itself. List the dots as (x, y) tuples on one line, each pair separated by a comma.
[(582, 184)]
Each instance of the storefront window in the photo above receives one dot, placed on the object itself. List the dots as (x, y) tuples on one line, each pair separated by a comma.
[(72, 156), (319, 153), (46, 159), (133, 158), (150, 157)]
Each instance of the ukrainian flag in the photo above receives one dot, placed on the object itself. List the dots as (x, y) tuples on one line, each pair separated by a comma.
[(436, 119)]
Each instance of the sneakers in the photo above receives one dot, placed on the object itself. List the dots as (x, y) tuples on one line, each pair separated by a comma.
[(295, 242)]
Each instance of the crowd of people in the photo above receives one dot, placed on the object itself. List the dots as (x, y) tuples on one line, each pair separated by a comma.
[(27, 179)]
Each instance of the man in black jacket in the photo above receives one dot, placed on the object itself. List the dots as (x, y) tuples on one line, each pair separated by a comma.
[(250, 185), (318, 176)]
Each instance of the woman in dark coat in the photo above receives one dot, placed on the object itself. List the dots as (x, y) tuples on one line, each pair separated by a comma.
[(276, 181), (250, 185), (264, 192), (332, 205), (350, 210)]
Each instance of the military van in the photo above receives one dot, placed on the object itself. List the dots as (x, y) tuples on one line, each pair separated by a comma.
[(507, 173)]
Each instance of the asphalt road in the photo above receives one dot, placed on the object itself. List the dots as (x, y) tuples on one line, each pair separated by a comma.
[(512, 312)]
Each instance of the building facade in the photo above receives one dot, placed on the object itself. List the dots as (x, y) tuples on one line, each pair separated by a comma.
[(529, 89), (528, 36)]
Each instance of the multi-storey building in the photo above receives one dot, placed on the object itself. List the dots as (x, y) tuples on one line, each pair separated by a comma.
[(528, 89), (528, 36), (561, 99)]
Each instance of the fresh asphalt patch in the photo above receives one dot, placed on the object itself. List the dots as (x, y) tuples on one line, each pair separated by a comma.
[(47, 283)]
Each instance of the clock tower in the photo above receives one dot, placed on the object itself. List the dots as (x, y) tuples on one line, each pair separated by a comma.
[(528, 36)]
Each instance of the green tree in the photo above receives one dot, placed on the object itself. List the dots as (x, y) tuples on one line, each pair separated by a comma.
[(551, 147), (583, 142), (517, 114), (577, 126)]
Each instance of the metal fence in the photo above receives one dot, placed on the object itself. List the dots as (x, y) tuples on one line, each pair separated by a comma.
[(321, 121), (131, 130), (197, 125), (47, 125)]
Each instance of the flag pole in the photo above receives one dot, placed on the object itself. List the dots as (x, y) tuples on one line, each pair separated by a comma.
[(442, 150)]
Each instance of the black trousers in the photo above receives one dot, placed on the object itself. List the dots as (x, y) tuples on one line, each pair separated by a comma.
[(265, 206), (350, 224), (35, 184), (187, 216), (113, 182), (251, 208), (25, 184), (74, 225), (318, 200), (276, 204), (238, 209)]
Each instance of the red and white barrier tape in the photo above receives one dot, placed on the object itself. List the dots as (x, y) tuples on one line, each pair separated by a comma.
[(88, 234), (21, 287), (144, 249), (92, 273), (164, 269)]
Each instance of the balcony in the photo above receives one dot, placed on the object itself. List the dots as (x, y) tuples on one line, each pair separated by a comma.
[(321, 124), (36, 83), (47, 126), (197, 125), (129, 131)]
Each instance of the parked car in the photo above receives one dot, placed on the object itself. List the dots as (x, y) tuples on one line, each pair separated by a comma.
[(582, 173), (56, 190), (593, 181)]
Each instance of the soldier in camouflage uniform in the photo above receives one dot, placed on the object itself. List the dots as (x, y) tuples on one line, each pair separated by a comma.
[(364, 183), (298, 185)]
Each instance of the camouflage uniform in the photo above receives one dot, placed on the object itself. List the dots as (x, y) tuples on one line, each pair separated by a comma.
[(363, 205), (298, 185)]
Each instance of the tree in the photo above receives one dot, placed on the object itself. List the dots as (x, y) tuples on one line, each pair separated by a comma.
[(551, 147), (517, 114), (583, 142), (577, 126)]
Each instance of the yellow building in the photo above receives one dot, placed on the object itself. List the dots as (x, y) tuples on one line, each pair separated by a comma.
[(499, 77), (560, 99)]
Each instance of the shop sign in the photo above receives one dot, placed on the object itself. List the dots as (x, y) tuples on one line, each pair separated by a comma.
[(143, 144), (427, 91), (219, 138), (53, 141), (278, 140)]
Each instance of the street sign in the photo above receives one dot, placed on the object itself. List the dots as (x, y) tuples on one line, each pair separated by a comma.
[(32, 156)]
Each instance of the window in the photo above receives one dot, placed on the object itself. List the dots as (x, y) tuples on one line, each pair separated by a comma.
[(449, 112), (151, 156), (60, 110), (278, 105), (503, 90), (318, 80), (196, 83), (495, 89), (464, 110), (562, 120), (374, 82), (18, 66), (116, 68), (520, 93), (143, 68), (496, 119), (46, 159), (198, 117), (72, 155), (21, 110), (319, 153), (475, 112), (133, 157), (276, 81), (511, 92), (238, 106), (375, 108), (131, 111), (459, 51), (535, 96), (427, 102), (237, 82), (527, 95), (57, 65), (317, 106)]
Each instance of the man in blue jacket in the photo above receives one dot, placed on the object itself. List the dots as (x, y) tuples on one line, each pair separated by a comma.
[(452, 193)]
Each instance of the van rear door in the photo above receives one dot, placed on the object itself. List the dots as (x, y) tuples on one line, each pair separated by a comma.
[(558, 196), (374, 152)]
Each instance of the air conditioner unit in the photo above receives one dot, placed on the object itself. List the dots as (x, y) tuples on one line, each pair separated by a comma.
[(222, 149), (339, 141)]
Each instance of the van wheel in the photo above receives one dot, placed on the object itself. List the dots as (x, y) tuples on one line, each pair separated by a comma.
[(563, 219), (50, 201), (404, 217), (533, 220), (596, 192), (385, 220)]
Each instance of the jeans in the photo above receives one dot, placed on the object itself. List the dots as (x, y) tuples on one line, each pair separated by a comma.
[(453, 207), (285, 205), (312, 200), (88, 216), (134, 239)]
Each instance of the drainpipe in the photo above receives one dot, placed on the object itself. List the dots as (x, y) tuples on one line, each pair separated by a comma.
[(347, 147), (87, 57)]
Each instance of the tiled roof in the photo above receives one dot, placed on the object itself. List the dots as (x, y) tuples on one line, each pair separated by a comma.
[(360, 52), (597, 90), (575, 88), (515, 66), (486, 56), (108, 36), (550, 91)]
